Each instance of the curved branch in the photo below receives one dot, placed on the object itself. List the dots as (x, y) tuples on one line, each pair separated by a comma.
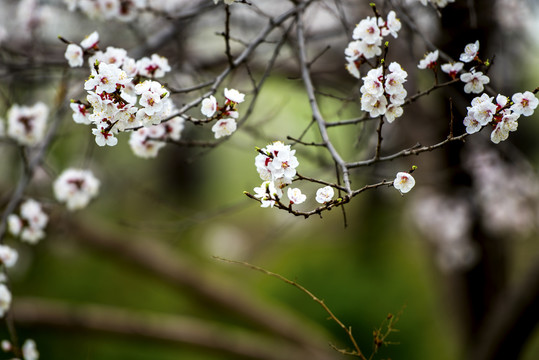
[(151, 326)]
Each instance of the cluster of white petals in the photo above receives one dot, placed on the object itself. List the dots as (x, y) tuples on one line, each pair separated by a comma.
[(26, 124), (384, 95), (226, 115), (502, 114), (367, 40), (276, 164), (31, 222), (115, 103), (404, 182), (76, 187)]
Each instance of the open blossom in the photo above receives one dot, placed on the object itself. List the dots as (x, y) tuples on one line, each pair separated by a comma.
[(107, 78), (403, 182), (429, 61), (224, 127), (81, 113), (507, 124), (5, 299), (74, 55), (295, 196), (90, 41), (209, 106), (8, 256), (452, 68), (30, 224), (26, 124), (155, 67), (29, 350), (367, 30), (276, 161), (470, 52), (104, 135), (391, 26), (76, 188), (475, 82), (324, 195), (234, 95), (524, 103), (267, 193)]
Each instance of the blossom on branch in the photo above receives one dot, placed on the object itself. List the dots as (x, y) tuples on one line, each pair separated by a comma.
[(429, 61), (8, 256), (452, 68), (404, 182), (324, 195), (470, 52), (295, 196), (74, 55), (224, 127), (76, 188), (475, 82), (26, 124), (524, 103)]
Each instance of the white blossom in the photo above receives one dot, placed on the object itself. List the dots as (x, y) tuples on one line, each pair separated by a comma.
[(26, 125), (429, 60), (324, 195), (475, 82), (470, 52), (524, 103), (209, 106), (90, 41), (29, 350), (76, 188), (74, 55), (8, 256), (234, 95), (295, 196), (224, 127), (404, 182)]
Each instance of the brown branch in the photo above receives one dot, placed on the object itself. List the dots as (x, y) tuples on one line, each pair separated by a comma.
[(151, 326), (157, 259), (347, 329)]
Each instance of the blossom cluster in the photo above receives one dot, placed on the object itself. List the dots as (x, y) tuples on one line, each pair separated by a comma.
[(76, 188), (226, 115), (503, 114), (26, 124), (367, 40), (474, 80), (29, 225), (383, 94), (276, 164), (124, 95)]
